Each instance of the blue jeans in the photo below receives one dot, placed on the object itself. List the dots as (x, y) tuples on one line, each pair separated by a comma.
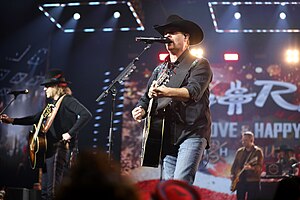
[(185, 165), (252, 189), (55, 168)]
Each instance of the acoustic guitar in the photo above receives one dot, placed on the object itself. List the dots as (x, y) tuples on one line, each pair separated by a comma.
[(147, 129), (237, 177), (37, 143)]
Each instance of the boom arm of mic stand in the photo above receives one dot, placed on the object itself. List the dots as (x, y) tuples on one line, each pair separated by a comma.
[(111, 88), (12, 100), (123, 75)]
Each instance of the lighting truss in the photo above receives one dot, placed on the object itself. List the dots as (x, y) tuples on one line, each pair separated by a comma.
[(212, 7), (44, 8)]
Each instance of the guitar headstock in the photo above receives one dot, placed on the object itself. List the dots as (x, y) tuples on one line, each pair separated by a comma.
[(48, 110), (163, 79)]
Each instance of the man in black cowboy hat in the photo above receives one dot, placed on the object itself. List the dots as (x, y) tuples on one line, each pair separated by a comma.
[(286, 158), (57, 127), (180, 127)]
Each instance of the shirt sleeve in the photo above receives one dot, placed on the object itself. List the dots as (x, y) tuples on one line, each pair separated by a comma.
[(83, 114), (28, 120), (260, 159), (199, 79)]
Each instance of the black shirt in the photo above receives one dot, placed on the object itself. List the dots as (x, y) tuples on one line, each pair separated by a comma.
[(70, 118), (192, 118)]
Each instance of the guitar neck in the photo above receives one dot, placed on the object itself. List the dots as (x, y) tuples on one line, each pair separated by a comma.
[(149, 107), (159, 82), (44, 114), (38, 127), (248, 163), (240, 172)]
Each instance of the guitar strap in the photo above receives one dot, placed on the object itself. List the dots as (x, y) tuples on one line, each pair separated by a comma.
[(176, 82), (250, 154), (50, 119)]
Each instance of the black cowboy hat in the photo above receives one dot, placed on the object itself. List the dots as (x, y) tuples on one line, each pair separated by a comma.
[(186, 26), (284, 148), (55, 77)]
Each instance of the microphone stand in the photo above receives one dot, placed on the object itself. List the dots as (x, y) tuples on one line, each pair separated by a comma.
[(112, 89), (12, 100)]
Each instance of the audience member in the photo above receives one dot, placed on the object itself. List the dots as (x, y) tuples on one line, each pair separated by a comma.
[(94, 176), (286, 157), (288, 188), (175, 190)]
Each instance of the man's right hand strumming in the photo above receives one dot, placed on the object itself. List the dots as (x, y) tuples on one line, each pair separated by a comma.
[(138, 113)]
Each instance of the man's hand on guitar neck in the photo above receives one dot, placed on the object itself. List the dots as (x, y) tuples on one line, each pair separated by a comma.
[(6, 119), (248, 167), (151, 92), (156, 91)]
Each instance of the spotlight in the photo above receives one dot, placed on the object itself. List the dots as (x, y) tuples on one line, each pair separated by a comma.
[(198, 52), (162, 56), (76, 16), (117, 15), (237, 15), (282, 15), (231, 56), (292, 56)]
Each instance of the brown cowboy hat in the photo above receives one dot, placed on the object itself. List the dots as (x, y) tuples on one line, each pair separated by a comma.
[(55, 77), (284, 148), (186, 26)]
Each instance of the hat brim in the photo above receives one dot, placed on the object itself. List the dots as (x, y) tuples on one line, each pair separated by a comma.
[(55, 82), (283, 149), (196, 33)]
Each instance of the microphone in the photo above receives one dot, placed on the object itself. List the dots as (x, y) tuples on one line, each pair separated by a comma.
[(295, 164), (17, 92), (150, 40)]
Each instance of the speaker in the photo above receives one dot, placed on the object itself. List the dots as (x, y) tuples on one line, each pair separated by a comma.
[(17, 194), (22, 194), (274, 169), (35, 194), (268, 190)]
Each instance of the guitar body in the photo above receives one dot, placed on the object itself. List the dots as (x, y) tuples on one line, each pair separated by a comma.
[(152, 142), (37, 143), (37, 147), (234, 183), (152, 133), (237, 176)]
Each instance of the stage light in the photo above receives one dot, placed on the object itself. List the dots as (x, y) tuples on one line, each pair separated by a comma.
[(216, 6), (258, 70), (198, 52), (45, 8), (292, 56), (76, 16), (237, 15), (87, 30), (231, 56), (282, 15), (117, 15), (162, 56)]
